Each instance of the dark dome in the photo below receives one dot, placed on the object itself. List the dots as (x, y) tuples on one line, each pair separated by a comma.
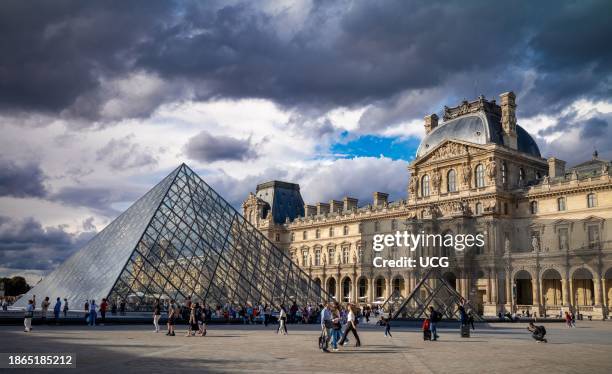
[(478, 128)]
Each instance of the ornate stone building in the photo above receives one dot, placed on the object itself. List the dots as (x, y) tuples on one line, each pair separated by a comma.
[(547, 229)]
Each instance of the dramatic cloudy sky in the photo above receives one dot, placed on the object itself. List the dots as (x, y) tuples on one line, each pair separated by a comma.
[(99, 100)]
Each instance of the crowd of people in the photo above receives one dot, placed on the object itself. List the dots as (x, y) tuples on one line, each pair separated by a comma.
[(337, 321)]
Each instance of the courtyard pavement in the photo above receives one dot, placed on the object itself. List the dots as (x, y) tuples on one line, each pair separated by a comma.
[(493, 348)]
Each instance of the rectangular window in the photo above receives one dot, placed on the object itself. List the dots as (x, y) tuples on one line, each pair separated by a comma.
[(563, 239), (593, 233), (561, 204)]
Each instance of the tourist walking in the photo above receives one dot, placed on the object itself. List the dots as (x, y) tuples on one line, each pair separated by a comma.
[(192, 323), (29, 314), (351, 326), (86, 307), (92, 313), (44, 306), (470, 319), (266, 315), (336, 327), (326, 325), (65, 309), (434, 318), (103, 307), (172, 314), (282, 326), (156, 315), (573, 321), (568, 319), (57, 308), (387, 323), (122, 308)]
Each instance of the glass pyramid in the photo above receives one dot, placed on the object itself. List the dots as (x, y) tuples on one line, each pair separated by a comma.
[(180, 239)]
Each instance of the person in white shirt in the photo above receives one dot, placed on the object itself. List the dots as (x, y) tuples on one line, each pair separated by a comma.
[(29, 313), (282, 326), (351, 325)]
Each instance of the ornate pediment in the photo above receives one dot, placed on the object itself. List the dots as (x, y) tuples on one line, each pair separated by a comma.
[(449, 149)]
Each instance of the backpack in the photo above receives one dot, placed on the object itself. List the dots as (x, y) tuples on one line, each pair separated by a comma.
[(426, 325)]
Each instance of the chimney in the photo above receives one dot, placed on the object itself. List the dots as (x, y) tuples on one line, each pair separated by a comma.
[(556, 167), (335, 206), (380, 198), (310, 210), (350, 203), (322, 208), (508, 119), (431, 122)]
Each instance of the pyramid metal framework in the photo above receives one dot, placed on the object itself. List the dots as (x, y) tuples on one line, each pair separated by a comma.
[(180, 239), (433, 291)]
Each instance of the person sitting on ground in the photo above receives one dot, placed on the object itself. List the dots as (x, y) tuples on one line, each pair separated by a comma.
[(537, 332)]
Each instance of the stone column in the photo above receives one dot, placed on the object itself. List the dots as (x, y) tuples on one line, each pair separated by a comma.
[(355, 291), (339, 289), (494, 289), (371, 289), (387, 287), (509, 288), (597, 290), (535, 286), (572, 301), (489, 299), (604, 300), (564, 292)]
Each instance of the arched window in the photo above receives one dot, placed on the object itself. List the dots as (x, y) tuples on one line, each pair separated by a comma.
[(591, 200), (425, 186), (480, 176), (393, 224), (451, 182), (561, 204), (305, 257), (538, 175), (478, 208), (277, 237), (317, 260), (345, 255), (292, 236), (360, 227), (345, 230), (521, 175), (504, 172), (534, 207), (331, 254), (318, 234), (305, 235), (331, 232), (376, 226)]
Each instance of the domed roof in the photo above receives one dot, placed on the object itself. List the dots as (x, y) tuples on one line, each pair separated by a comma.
[(478, 128)]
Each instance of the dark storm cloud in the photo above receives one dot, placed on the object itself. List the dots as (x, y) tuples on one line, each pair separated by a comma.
[(594, 127), (205, 147), (26, 244), (61, 54), (54, 52), (21, 179)]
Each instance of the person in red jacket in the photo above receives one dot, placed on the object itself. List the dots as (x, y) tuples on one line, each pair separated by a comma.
[(103, 308)]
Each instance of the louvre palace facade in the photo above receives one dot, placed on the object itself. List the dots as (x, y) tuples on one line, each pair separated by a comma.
[(547, 225)]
